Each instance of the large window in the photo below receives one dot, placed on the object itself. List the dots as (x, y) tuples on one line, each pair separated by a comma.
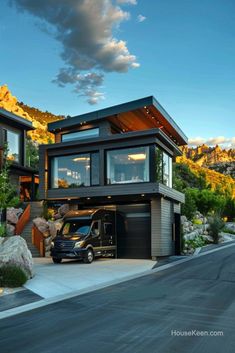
[(128, 165), (74, 171), (13, 144), (163, 164), (80, 135)]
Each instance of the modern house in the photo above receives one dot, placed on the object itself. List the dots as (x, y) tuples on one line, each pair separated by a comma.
[(120, 158), (13, 131)]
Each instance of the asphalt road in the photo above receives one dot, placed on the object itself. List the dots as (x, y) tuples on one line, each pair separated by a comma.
[(139, 315)]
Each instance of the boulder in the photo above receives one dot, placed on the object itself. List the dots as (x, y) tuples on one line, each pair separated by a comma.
[(192, 235), (63, 209), (58, 224), (183, 219), (52, 229), (41, 224), (208, 238), (57, 216), (14, 251), (10, 229), (13, 214)]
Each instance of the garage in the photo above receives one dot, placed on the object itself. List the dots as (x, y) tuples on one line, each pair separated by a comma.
[(134, 231)]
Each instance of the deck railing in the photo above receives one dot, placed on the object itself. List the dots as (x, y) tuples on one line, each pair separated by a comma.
[(38, 240), (23, 220)]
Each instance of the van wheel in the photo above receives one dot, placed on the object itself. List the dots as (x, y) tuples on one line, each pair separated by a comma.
[(89, 256), (56, 260)]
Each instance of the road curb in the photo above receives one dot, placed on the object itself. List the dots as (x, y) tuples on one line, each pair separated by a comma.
[(48, 301)]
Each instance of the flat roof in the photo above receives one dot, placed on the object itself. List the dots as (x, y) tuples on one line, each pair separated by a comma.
[(136, 105), (15, 120)]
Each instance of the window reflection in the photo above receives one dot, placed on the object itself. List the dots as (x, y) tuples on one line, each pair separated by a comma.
[(80, 135), (74, 171), (13, 145), (128, 165), (163, 163)]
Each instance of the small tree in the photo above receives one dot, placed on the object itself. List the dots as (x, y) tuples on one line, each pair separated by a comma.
[(189, 207), (8, 193), (216, 225)]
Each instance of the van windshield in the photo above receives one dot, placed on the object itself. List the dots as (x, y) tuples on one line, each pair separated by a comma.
[(76, 227)]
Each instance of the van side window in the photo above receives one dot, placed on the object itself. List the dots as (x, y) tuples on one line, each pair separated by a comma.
[(108, 228), (95, 229)]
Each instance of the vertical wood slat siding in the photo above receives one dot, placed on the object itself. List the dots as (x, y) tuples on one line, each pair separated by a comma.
[(161, 227)]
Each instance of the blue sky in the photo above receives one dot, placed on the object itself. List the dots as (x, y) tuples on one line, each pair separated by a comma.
[(185, 50)]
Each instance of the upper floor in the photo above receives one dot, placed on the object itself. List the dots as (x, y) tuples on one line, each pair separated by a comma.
[(129, 144), (13, 131)]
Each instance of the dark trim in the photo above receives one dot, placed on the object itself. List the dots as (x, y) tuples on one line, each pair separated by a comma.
[(15, 121), (114, 110), (155, 135), (117, 191)]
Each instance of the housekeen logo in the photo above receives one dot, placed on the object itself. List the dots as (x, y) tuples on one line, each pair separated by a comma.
[(196, 333)]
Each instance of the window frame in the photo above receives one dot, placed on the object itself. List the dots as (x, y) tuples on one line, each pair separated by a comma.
[(7, 129), (80, 131), (50, 172), (126, 148)]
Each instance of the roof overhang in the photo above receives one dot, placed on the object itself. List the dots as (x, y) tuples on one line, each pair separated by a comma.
[(15, 120), (141, 114)]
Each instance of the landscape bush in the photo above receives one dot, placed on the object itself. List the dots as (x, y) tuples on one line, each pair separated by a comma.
[(197, 242), (216, 225), (12, 276)]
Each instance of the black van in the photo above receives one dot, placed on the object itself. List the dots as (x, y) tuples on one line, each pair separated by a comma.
[(85, 234)]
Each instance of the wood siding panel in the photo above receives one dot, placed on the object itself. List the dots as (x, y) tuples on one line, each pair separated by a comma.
[(161, 227)]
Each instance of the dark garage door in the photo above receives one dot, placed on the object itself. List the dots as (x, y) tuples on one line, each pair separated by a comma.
[(134, 231)]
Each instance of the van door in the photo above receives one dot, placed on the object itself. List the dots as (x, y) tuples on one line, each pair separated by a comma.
[(109, 233), (96, 236)]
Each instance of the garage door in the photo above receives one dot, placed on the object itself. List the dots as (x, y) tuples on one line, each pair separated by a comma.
[(134, 231)]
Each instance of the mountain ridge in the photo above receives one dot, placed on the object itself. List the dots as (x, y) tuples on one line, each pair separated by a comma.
[(38, 118)]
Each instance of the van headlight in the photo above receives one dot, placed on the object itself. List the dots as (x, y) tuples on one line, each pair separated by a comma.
[(79, 244)]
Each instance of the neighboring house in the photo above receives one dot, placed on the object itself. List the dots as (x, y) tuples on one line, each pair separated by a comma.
[(13, 131), (120, 158)]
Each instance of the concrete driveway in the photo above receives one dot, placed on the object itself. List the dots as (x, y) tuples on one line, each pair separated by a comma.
[(51, 279)]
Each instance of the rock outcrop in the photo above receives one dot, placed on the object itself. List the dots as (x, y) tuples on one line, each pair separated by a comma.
[(38, 118)]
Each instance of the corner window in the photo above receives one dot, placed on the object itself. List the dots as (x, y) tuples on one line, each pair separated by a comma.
[(167, 170), (75, 171), (80, 135), (163, 167), (13, 143), (128, 165)]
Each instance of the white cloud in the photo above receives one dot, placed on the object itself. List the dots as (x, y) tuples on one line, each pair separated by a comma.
[(141, 18), (128, 2), (212, 141), (85, 28), (196, 141)]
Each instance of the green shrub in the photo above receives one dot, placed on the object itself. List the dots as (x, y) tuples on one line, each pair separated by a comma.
[(189, 207), (228, 230), (197, 221), (3, 232), (197, 242), (12, 276), (216, 225)]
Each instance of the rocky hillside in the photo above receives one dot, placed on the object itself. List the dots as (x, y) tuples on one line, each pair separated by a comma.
[(209, 178), (39, 119), (214, 158)]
